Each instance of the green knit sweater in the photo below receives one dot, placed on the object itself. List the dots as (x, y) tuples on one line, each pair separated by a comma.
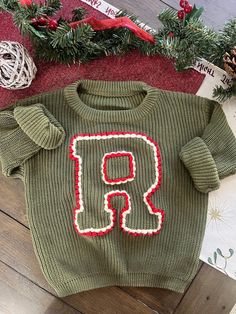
[(116, 178)]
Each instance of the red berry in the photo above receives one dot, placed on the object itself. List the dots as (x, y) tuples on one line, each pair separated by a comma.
[(181, 14), (42, 21), (52, 24), (183, 3), (26, 2), (171, 34), (34, 21), (188, 8)]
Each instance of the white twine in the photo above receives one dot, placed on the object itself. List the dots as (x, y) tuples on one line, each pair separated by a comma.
[(17, 68)]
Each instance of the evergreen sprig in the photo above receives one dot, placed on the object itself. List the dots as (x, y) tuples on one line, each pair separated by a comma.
[(67, 37), (191, 38), (185, 41), (78, 14), (170, 20), (225, 42), (50, 7), (222, 94), (9, 6)]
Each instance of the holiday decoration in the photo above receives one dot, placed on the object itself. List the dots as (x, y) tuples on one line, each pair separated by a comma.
[(52, 24), (184, 37), (99, 25), (192, 40), (41, 21), (183, 3), (187, 8), (77, 39), (26, 2), (181, 14), (17, 69), (229, 64)]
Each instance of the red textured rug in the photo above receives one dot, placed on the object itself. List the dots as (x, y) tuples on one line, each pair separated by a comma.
[(156, 71)]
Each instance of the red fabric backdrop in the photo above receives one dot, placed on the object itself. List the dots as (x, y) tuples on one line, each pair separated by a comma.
[(156, 71)]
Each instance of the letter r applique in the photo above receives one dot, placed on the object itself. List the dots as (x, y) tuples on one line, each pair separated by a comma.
[(116, 174)]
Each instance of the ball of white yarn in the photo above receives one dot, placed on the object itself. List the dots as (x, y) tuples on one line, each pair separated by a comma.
[(17, 68)]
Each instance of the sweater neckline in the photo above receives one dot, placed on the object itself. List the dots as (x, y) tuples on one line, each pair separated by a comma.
[(111, 89)]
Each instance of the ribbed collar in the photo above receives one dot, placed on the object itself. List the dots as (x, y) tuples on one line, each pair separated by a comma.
[(111, 89)]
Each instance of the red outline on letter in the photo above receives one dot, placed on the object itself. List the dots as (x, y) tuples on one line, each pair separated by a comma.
[(131, 175), (147, 195)]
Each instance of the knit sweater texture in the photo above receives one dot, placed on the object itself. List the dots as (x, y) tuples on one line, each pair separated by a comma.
[(116, 178)]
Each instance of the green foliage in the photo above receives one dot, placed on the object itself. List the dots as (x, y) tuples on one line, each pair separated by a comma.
[(222, 94), (9, 6), (189, 41), (78, 14), (193, 40), (220, 256), (225, 42), (68, 45), (169, 20), (66, 37), (50, 7), (195, 13)]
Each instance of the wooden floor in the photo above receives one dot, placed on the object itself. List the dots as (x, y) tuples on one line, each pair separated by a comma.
[(23, 289)]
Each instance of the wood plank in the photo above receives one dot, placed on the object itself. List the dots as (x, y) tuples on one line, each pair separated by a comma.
[(162, 300), (108, 300), (216, 12), (12, 199), (210, 292), (17, 252), (21, 296), (146, 11)]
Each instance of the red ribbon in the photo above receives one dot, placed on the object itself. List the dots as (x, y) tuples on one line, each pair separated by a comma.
[(100, 25)]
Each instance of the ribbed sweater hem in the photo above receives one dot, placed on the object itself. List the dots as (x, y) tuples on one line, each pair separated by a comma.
[(136, 279)]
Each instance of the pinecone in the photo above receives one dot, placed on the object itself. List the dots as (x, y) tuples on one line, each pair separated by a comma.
[(230, 62)]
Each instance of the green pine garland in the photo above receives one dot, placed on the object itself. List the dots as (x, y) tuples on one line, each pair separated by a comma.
[(186, 41), (223, 94), (191, 39)]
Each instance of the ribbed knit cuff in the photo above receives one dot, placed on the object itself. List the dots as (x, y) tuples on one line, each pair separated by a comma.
[(198, 160), (40, 125)]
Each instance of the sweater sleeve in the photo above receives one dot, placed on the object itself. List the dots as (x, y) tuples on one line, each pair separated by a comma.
[(211, 156), (24, 130)]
